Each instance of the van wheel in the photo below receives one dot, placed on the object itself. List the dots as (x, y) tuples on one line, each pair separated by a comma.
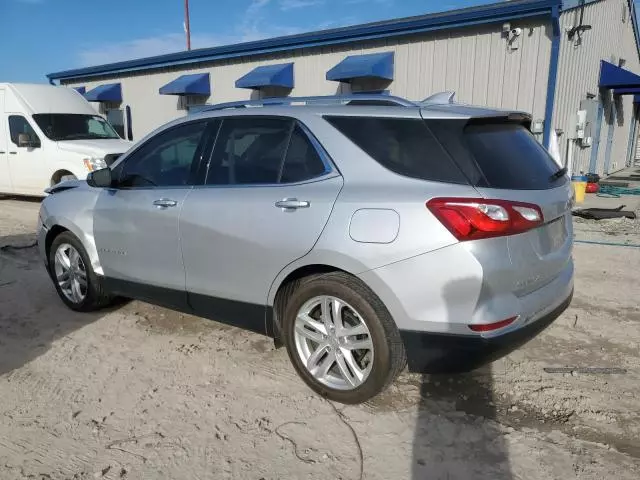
[(65, 178), (341, 338), (76, 283), (62, 176)]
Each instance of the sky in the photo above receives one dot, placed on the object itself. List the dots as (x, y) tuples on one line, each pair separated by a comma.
[(44, 36)]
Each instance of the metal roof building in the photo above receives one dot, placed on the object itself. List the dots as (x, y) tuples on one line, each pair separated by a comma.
[(551, 58)]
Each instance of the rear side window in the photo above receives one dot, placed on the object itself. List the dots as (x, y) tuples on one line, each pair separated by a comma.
[(262, 150), (302, 161), (249, 151), (498, 154), (403, 145)]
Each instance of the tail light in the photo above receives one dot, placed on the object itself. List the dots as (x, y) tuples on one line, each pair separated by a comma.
[(476, 218)]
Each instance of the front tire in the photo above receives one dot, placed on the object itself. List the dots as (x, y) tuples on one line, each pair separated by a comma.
[(341, 338), (73, 277)]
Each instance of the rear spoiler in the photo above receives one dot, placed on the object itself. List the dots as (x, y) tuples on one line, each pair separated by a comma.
[(520, 118)]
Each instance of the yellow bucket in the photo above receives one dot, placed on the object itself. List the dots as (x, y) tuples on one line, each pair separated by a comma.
[(579, 187)]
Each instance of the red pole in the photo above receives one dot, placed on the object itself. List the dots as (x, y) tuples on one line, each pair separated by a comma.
[(186, 24)]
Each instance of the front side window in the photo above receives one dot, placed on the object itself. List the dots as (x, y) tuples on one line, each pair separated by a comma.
[(17, 125), (253, 151), (165, 160), (116, 119), (73, 126)]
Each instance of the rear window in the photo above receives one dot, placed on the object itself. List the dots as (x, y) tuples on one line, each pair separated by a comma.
[(498, 155), (403, 145)]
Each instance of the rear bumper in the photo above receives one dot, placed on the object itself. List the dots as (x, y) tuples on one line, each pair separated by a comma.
[(446, 353)]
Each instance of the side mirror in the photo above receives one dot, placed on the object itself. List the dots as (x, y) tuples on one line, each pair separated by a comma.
[(100, 178), (25, 141)]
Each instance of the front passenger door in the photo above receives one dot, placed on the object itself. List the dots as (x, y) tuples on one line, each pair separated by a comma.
[(27, 164), (136, 222)]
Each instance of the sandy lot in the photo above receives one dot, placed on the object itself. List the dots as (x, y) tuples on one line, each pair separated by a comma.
[(141, 392)]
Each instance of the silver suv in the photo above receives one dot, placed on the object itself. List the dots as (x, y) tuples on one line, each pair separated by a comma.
[(363, 233)]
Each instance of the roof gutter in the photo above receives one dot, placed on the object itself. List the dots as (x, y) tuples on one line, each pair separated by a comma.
[(553, 75), (488, 14)]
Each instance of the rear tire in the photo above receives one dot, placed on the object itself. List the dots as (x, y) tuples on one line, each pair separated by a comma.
[(73, 277), (353, 357)]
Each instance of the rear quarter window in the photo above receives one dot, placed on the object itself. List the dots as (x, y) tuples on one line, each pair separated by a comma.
[(403, 145)]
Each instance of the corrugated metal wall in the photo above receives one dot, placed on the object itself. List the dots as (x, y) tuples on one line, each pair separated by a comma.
[(475, 62), (611, 38)]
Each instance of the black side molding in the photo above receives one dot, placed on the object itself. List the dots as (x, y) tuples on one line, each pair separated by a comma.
[(249, 316)]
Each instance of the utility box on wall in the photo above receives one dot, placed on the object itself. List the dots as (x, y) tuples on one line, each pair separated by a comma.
[(588, 119)]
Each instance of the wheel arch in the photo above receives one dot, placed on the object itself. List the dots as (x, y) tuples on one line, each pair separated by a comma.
[(52, 233), (284, 284), (57, 225), (58, 174), (313, 263)]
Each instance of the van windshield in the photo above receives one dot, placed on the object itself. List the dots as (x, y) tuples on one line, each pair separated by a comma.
[(73, 126)]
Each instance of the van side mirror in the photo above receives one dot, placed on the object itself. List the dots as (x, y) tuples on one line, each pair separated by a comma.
[(100, 178), (25, 141)]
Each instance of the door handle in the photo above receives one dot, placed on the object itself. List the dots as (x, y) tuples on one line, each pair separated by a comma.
[(292, 204), (164, 203), (13, 153)]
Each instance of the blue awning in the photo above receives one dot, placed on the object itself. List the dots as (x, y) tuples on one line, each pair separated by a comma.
[(109, 92), (280, 75), (636, 99), (626, 91), (80, 90), (612, 76), (373, 65), (195, 84)]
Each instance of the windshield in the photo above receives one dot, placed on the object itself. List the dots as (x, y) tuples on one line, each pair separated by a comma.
[(72, 126)]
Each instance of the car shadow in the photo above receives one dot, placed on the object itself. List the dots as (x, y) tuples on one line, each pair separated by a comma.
[(456, 436), (32, 316), (27, 199)]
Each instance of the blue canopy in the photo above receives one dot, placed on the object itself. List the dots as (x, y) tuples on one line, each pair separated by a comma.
[(373, 65), (109, 92), (626, 91), (612, 76), (280, 75), (195, 84), (80, 90)]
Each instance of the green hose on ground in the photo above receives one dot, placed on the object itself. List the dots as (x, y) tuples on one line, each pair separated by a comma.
[(609, 191)]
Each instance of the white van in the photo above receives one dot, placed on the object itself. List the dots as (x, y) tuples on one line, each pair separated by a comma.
[(49, 134)]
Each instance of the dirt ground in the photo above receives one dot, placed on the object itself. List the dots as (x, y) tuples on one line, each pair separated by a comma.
[(141, 392)]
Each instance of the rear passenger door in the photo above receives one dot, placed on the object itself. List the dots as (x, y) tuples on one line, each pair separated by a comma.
[(268, 192)]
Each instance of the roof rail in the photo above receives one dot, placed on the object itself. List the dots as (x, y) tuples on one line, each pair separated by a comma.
[(353, 99)]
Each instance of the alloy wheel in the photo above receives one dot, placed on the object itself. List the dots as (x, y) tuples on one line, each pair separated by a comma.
[(333, 342), (70, 273)]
